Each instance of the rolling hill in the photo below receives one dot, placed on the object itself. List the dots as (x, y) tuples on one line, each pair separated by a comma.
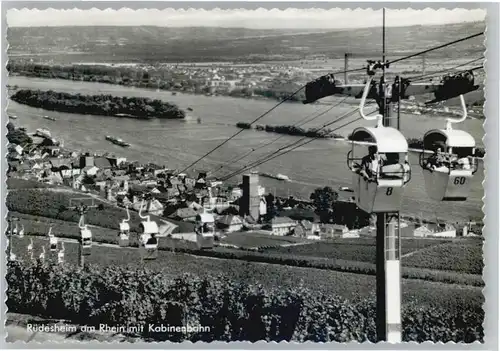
[(164, 44)]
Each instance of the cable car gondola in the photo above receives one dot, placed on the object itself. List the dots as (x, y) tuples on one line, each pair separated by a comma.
[(205, 230), (60, 254), (449, 170), (85, 237), (29, 248), (52, 241), (379, 163), (124, 233), (148, 231)]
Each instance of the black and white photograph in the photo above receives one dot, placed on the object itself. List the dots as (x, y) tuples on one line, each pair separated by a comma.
[(299, 175)]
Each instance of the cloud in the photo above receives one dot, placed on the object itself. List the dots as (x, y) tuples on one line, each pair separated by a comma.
[(258, 19)]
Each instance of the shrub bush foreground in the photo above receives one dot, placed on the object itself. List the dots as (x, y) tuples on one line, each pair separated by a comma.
[(233, 310)]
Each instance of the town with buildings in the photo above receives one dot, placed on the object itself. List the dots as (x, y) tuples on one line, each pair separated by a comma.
[(182, 200)]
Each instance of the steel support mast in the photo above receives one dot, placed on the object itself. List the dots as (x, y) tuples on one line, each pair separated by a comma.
[(388, 276)]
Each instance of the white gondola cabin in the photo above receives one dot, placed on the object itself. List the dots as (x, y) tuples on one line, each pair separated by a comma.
[(124, 233), (86, 240), (52, 240), (148, 231), (450, 165), (60, 254), (205, 230), (448, 172), (380, 170), (53, 243)]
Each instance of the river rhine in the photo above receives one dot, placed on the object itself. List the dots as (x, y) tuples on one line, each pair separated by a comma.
[(177, 143)]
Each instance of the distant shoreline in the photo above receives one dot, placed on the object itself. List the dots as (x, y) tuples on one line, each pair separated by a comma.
[(407, 106)]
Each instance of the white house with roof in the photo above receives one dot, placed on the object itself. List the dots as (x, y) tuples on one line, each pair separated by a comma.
[(154, 207), (305, 229), (427, 230), (282, 226), (333, 231), (90, 170), (230, 223)]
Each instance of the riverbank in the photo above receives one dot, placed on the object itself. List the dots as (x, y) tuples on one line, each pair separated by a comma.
[(414, 145), (104, 105), (180, 142), (319, 133), (128, 77)]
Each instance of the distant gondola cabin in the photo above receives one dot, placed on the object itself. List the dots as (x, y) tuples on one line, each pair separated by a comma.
[(124, 234), (448, 164), (86, 240)]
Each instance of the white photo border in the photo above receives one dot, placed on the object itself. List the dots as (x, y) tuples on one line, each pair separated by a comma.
[(491, 186)]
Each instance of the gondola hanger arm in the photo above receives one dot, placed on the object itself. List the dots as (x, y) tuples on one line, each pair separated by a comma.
[(450, 121), (81, 223), (140, 212), (377, 117), (128, 215)]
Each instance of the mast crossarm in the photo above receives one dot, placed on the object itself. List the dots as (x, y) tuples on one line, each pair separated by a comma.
[(449, 87)]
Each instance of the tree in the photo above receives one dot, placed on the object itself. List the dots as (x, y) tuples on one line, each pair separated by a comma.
[(169, 209), (17, 136), (347, 213), (324, 200), (229, 211), (271, 209), (88, 180)]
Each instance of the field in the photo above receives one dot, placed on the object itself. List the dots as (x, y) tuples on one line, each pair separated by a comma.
[(234, 310), (347, 285), (39, 226), (18, 183), (258, 240), (461, 255), (440, 298), (456, 256), (54, 204), (434, 260)]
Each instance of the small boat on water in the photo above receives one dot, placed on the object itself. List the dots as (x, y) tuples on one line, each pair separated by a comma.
[(278, 176), (44, 133), (117, 141), (174, 93), (346, 188), (13, 117), (189, 109), (49, 118)]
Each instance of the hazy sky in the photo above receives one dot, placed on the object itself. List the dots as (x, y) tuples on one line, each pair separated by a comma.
[(260, 18)]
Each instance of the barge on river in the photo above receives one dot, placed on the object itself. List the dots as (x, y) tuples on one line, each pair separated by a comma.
[(278, 176), (117, 141)]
